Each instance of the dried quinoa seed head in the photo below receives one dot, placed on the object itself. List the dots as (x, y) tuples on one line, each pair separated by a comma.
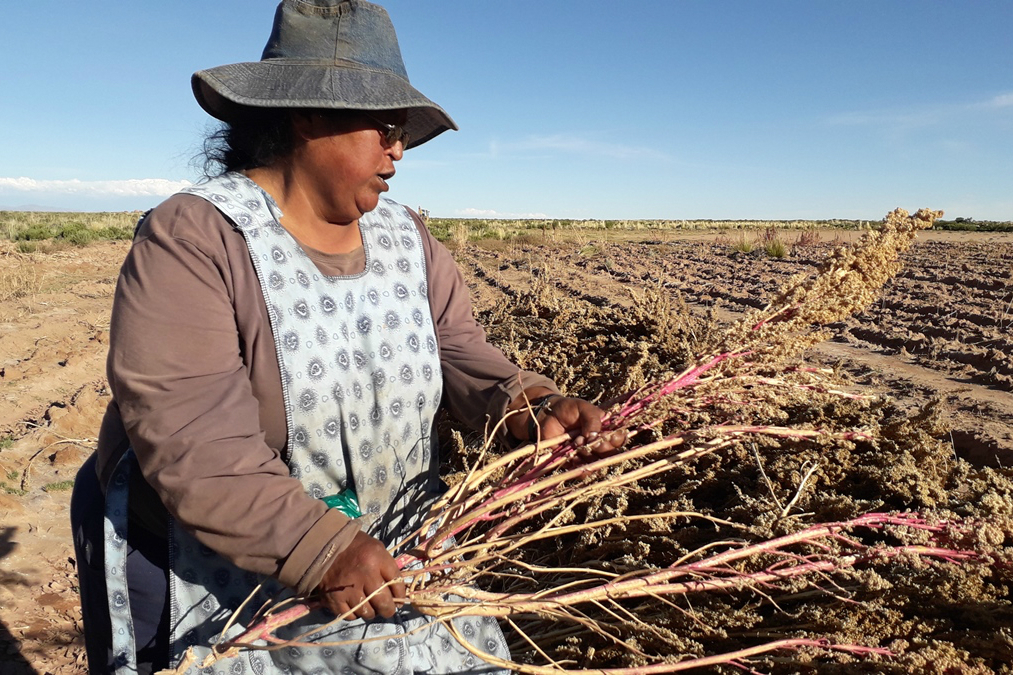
[(844, 285)]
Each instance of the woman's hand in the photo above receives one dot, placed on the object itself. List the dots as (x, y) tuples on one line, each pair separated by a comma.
[(360, 569), (555, 415)]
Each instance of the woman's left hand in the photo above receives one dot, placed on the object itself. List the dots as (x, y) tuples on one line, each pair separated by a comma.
[(555, 415)]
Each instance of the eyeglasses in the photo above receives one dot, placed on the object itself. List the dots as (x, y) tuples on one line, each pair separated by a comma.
[(392, 132)]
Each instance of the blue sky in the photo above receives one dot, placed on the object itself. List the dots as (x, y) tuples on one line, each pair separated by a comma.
[(568, 109)]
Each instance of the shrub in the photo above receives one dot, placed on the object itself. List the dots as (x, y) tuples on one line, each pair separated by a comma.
[(38, 231), (742, 244), (459, 235), (772, 243), (807, 238), (968, 225), (76, 233), (439, 228), (775, 248), (115, 233)]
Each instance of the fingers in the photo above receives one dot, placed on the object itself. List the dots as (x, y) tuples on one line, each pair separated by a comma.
[(381, 602), (611, 441), (363, 602), (335, 603), (381, 587), (397, 590), (363, 581), (341, 608), (368, 609), (590, 421), (592, 442), (583, 418), (566, 414), (392, 589)]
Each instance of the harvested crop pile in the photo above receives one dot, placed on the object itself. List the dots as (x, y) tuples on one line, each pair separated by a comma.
[(594, 351), (878, 593)]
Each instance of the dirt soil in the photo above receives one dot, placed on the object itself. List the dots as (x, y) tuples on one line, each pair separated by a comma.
[(941, 332), (53, 394), (942, 327)]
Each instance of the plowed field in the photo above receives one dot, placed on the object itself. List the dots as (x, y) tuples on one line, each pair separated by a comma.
[(942, 327), (941, 331)]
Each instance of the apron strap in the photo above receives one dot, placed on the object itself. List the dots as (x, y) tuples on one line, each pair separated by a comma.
[(115, 547)]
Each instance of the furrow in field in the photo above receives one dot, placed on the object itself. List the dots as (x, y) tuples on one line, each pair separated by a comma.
[(947, 313)]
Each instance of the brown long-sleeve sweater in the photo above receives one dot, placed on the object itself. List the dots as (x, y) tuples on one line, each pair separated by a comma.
[(197, 391)]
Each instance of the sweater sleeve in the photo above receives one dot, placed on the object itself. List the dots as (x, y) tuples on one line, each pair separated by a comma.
[(177, 371), (479, 381)]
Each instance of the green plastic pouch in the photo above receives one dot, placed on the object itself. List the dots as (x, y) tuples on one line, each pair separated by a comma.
[(346, 502)]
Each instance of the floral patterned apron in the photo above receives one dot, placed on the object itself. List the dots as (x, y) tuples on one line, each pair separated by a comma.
[(361, 379)]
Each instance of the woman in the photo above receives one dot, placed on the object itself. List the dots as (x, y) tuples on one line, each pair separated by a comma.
[(282, 337)]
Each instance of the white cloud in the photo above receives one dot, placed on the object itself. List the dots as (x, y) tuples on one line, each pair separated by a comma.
[(904, 120), (921, 116), (1000, 101), (134, 187), (476, 213), (491, 214)]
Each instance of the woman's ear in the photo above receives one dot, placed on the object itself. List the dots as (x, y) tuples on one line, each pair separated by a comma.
[(306, 124)]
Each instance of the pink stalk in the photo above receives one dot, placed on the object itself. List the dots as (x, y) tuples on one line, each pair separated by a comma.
[(262, 629), (640, 400)]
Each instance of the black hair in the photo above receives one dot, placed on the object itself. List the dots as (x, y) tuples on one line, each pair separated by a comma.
[(259, 137)]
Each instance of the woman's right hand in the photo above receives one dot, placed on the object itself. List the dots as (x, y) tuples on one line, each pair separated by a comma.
[(360, 569)]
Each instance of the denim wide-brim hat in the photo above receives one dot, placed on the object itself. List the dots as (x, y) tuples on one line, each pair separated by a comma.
[(339, 54)]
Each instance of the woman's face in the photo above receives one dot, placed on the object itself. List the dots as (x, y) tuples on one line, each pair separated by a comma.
[(345, 161)]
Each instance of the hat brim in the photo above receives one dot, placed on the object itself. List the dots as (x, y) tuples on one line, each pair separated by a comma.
[(224, 92)]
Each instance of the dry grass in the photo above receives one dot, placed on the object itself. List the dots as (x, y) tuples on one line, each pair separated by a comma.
[(19, 283), (770, 241), (14, 223), (459, 236), (42, 232), (742, 244), (773, 243)]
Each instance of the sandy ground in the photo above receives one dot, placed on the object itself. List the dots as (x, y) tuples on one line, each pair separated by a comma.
[(52, 397), (940, 330)]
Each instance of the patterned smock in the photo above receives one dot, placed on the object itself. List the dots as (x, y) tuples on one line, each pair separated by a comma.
[(361, 381)]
